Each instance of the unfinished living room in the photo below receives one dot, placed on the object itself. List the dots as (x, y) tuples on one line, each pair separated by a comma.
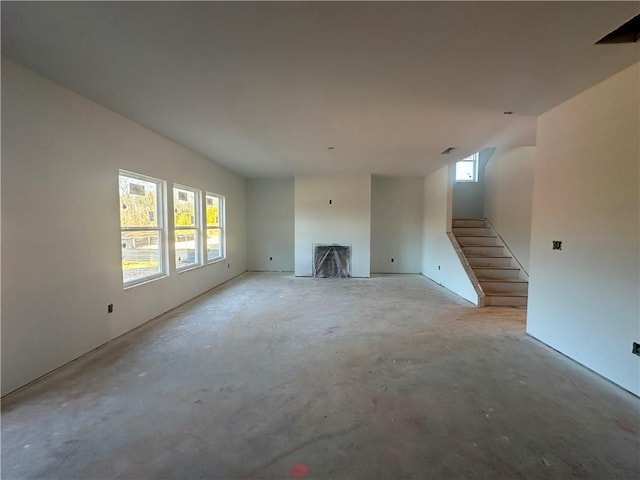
[(320, 240)]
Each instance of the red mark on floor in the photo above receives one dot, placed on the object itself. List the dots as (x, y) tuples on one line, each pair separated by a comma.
[(626, 425), (299, 470)]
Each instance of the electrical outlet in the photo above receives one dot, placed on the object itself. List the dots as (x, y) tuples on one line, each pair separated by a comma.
[(270, 259), (330, 202), (228, 265), (110, 308), (392, 260), (438, 267), (636, 348), (557, 245)]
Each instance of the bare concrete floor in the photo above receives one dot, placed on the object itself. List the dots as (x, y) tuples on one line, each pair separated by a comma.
[(389, 377)]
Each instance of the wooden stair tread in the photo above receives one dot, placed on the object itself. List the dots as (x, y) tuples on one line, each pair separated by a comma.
[(468, 235), (478, 255), (483, 246), (504, 294), (506, 280), (495, 268)]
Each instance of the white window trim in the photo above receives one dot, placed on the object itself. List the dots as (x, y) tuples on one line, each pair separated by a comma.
[(161, 187), (474, 158), (221, 228), (197, 228)]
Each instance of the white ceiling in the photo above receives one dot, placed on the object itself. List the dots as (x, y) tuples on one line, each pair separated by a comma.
[(265, 88)]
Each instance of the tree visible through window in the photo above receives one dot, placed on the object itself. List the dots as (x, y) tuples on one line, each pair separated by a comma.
[(467, 169), (215, 227), (187, 226), (141, 226)]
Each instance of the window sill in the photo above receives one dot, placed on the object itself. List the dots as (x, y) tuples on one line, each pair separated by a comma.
[(217, 260), (145, 281), (189, 268)]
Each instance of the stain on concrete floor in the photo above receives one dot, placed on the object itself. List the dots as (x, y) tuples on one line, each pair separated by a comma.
[(271, 376)]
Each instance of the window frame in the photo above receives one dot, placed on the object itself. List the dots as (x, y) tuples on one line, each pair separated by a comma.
[(196, 227), (221, 227), (473, 159), (161, 228)]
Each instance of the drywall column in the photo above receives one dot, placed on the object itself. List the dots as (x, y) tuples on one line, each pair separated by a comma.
[(396, 224), (270, 212), (508, 193), (333, 209), (439, 260), (584, 299)]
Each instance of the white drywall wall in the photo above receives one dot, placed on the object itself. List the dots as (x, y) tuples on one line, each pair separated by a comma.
[(439, 259), (584, 299), (468, 197), (347, 220), (61, 257), (270, 225), (508, 195), (396, 224)]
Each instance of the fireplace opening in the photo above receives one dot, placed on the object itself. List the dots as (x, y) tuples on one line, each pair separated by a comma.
[(332, 261)]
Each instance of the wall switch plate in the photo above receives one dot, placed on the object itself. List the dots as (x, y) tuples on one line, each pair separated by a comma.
[(636, 348), (557, 245)]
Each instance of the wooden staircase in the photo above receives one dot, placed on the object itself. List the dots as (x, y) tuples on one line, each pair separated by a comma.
[(502, 281)]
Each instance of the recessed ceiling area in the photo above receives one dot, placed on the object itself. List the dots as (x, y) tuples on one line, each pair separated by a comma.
[(263, 88)]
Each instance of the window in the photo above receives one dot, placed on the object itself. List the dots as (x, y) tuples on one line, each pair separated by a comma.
[(467, 169), (215, 227), (142, 230), (187, 226)]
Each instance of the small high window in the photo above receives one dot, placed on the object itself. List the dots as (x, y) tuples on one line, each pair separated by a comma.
[(215, 227), (187, 226), (142, 231), (467, 169)]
